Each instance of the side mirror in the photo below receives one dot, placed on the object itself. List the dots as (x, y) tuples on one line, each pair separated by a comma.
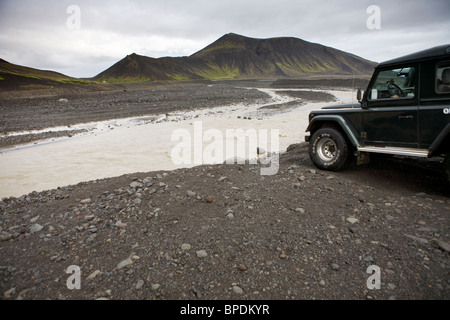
[(359, 95)]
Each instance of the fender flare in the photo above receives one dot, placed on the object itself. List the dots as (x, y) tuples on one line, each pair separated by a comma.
[(348, 129)]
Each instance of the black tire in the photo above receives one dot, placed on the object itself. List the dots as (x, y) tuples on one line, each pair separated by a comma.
[(328, 149)]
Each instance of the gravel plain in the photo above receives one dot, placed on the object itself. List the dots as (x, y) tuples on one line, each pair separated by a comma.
[(223, 232)]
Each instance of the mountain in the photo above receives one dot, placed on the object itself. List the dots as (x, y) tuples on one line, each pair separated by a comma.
[(136, 68), (230, 57), (235, 57), (14, 76)]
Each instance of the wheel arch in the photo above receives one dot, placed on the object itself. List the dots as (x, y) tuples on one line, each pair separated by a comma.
[(337, 122)]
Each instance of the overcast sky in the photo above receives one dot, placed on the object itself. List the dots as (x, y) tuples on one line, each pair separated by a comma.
[(83, 38)]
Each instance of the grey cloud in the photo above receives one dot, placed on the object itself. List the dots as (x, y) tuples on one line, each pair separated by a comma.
[(35, 32)]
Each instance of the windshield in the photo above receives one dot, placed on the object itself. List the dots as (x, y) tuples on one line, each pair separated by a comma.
[(393, 84)]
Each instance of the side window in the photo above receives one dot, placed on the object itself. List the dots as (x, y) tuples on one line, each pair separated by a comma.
[(443, 77), (394, 84)]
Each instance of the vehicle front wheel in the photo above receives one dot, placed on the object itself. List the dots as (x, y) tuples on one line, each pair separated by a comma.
[(328, 149)]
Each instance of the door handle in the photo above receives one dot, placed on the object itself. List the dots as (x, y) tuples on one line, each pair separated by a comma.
[(406, 117)]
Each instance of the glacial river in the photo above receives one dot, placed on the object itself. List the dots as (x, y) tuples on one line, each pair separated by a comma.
[(142, 144)]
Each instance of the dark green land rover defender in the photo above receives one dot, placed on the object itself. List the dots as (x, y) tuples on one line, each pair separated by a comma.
[(404, 111)]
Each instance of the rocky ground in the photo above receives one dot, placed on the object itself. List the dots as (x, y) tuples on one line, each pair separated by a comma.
[(227, 232)]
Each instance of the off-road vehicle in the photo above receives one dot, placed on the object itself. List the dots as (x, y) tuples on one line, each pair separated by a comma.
[(404, 111)]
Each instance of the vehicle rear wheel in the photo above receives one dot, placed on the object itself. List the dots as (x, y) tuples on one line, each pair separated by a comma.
[(328, 149)]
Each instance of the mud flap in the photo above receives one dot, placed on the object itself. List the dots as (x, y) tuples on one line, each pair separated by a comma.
[(362, 158)]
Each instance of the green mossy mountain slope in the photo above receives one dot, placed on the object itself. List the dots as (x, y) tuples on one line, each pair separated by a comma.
[(237, 57)]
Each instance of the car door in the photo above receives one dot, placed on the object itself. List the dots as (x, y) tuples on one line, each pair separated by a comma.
[(434, 108), (391, 108)]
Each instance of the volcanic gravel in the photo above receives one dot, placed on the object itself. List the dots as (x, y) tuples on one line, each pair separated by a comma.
[(223, 231), (228, 232)]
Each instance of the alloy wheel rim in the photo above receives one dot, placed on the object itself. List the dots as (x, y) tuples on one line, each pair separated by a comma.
[(326, 149)]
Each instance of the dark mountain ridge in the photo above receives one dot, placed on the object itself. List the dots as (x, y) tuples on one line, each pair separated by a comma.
[(230, 57), (236, 57), (16, 77)]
